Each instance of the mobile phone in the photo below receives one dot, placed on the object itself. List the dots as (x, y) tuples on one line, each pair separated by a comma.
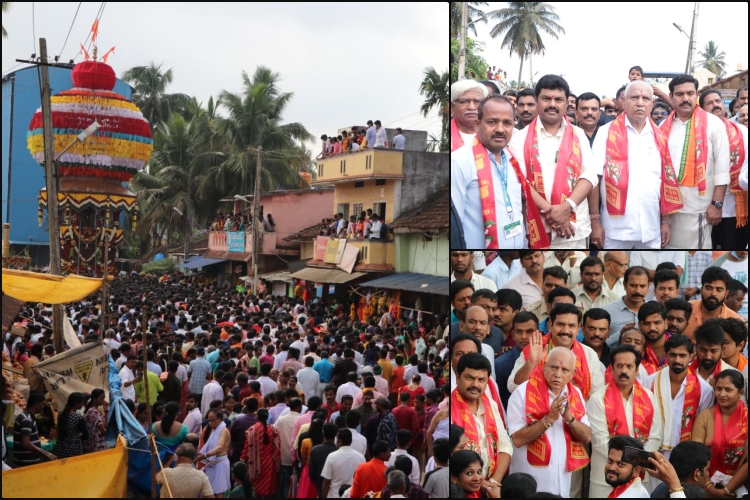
[(639, 458)]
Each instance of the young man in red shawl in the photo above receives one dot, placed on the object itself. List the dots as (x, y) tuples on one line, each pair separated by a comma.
[(480, 418), (563, 323), (465, 98), (699, 149), (731, 232), (548, 424), (623, 406), (558, 165), (633, 147), (623, 479)]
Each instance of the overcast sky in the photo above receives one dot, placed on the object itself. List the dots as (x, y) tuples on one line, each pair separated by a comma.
[(345, 63), (603, 40)]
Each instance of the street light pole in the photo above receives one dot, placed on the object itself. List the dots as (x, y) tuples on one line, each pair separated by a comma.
[(256, 220), (462, 40), (693, 38)]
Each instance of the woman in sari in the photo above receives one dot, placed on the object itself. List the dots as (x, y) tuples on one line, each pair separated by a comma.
[(262, 453), (314, 436), (96, 422), (214, 453)]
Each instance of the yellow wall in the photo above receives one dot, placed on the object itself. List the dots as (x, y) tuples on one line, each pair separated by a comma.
[(382, 162), (375, 252), (366, 195)]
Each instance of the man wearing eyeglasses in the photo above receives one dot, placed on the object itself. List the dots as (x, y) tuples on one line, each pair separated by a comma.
[(660, 112), (465, 98), (615, 265)]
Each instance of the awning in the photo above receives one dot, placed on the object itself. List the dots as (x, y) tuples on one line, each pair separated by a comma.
[(233, 256), (196, 262), (413, 282), (277, 276), (48, 288), (319, 275)]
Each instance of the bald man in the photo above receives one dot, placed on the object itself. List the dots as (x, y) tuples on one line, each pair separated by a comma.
[(615, 265), (638, 187), (477, 323), (465, 98)]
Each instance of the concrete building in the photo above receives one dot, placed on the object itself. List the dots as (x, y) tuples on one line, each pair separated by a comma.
[(23, 177)]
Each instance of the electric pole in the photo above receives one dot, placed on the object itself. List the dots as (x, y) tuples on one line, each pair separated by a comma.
[(462, 36), (256, 220), (51, 180), (693, 40)]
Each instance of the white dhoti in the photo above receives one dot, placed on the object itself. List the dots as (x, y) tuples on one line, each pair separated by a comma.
[(216, 467), (690, 231), (560, 243), (631, 245)]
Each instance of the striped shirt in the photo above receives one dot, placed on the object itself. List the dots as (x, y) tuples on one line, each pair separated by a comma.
[(198, 369), (696, 265), (25, 425)]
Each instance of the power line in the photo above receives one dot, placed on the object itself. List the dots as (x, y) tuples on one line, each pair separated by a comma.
[(71, 29)]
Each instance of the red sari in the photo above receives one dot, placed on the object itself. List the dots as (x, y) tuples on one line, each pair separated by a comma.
[(263, 459)]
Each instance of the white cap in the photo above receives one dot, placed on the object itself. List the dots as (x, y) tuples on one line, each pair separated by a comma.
[(461, 86), (479, 262)]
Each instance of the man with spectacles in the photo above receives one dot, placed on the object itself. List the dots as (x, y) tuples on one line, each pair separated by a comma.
[(660, 112), (465, 98), (615, 265)]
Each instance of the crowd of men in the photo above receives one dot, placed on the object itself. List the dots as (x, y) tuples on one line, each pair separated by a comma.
[(256, 395), (371, 136), (545, 168), (593, 374), (367, 225)]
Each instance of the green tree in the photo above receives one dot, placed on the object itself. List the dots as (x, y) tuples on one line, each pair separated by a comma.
[(474, 60), (522, 23), (6, 8), (151, 95), (713, 60), (475, 15), (434, 87)]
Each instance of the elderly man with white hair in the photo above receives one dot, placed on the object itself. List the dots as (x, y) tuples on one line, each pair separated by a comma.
[(548, 425), (465, 98), (632, 148)]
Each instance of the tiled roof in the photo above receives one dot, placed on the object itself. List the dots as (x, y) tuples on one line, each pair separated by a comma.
[(11, 308), (432, 216), (306, 234)]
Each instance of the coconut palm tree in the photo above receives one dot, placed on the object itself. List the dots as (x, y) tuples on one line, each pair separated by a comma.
[(150, 94), (713, 60), (6, 7), (475, 15), (434, 87), (254, 119), (522, 23)]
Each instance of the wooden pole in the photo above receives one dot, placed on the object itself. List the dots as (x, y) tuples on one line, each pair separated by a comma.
[(105, 290), (144, 348)]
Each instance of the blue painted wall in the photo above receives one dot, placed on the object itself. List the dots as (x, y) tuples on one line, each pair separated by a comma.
[(22, 176)]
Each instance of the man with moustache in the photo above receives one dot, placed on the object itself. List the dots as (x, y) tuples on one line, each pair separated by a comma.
[(557, 166), (678, 315), (699, 149), (622, 406), (480, 418), (731, 231), (547, 413), (635, 338), (630, 211), (624, 312), (559, 295), (496, 204), (465, 98), (461, 263), (709, 341), (524, 325), (564, 320), (666, 285), (553, 277), (588, 109), (530, 281), (526, 108), (615, 265), (680, 394), (622, 478), (595, 333), (592, 293), (651, 321), (460, 295), (714, 281)]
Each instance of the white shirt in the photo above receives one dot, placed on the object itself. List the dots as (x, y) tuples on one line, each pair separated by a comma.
[(211, 392), (414, 476), (267, 386), (279, 359), (299, 344), (503, 440), (523, 284), (637, 490), (730, 206), (555, 477), (193, 421), (380, 138), (499, 273), (676, 404), (359, 442), (428, 384), (309, 380), (479, 282), (349, 388), (600, 432), (717, 168), (399, 141), (375, 229), (548, 148), (340, 467), (650, 259), (574, 271), (738, 271), (642, 219), (465, 195), (126, 375), (597, 378), (618, 289)]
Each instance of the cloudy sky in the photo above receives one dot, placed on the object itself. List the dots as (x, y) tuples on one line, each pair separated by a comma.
[(603, 40), (345, 63)]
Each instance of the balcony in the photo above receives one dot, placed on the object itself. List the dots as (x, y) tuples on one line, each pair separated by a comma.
[(217, 242), (361, 165), (375, 252)]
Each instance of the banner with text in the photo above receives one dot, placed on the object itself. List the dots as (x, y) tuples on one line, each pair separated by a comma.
[(236, 241)]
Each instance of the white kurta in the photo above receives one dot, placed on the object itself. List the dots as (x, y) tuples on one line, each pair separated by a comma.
[(600, 437), (549, 146), (597, 378), (503, 440), (635, 490), (479, 281), (641, 222), (730, 205), (554, 478)]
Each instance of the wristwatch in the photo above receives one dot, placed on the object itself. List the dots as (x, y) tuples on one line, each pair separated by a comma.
[(570, 421), (717, 204)]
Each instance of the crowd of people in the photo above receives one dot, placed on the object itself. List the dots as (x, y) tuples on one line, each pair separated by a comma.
[(241, 221), (366, 226), (371, 136), (546, 168), (249, 395), (593, 375)]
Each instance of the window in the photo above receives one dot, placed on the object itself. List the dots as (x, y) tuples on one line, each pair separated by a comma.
[(359, 184), (380, 182), (357, 210), (344, 209), (379, 208)]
